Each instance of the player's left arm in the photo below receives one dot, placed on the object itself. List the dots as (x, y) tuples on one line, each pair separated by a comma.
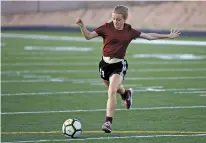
[(155, 36)]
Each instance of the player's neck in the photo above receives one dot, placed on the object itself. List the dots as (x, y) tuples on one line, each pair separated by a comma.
[(119, 28)]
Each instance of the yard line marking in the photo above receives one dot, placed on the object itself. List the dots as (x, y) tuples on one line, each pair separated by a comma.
[(95, 70), (147, 89), (49, 64), (96, 63), (101, 110), (58, 48), (68, 57), (125, 85), (115, 132), (190, 92), (18, 53), (81, 39), (171, 56), (62, 79), (109, 138), (52, 58)]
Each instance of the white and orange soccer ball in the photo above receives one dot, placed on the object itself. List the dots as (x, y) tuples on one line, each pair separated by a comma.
[(72, 128)]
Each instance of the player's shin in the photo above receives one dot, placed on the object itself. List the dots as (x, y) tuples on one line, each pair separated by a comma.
[(111, 102), (115, 82)]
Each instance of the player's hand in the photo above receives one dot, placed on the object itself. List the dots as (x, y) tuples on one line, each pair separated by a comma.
[(174, 33), (79, 22)]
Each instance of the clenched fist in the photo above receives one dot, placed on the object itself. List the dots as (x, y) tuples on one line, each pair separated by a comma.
[(79, 22)]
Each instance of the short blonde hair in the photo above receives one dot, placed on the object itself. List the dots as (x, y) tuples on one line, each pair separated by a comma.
[(123, 10)]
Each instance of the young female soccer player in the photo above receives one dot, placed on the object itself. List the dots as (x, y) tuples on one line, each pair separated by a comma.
[(117, 35)]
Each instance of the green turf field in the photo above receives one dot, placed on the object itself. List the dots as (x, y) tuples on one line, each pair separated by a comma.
[(42, 88)]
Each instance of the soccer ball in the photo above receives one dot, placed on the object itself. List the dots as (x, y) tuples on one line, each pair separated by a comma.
[(72, 128)]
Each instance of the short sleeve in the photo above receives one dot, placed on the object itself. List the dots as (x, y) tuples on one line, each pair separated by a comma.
[(135, 33), (100, 31)]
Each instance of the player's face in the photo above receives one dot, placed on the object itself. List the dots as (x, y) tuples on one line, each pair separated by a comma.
[(118, 21)]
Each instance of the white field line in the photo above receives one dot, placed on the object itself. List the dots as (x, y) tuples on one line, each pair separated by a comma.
[(203, 95), (50, 64), (69, 56), (96, 71), (125, 85), (53, 58), (190, 92), (96, 63), (101, 110), (61, 79), (58, 48), (147, 89), (109, 138), (171, 56), (81, 39)]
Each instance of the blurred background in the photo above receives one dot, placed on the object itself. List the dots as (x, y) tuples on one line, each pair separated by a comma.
[(184, 15)]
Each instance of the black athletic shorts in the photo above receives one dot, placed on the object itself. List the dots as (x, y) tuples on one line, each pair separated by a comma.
[(106, 70)]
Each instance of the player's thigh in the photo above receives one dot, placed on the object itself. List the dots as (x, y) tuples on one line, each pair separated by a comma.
[(115, 82)]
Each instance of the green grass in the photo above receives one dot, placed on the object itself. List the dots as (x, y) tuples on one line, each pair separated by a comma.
[(167, 121)]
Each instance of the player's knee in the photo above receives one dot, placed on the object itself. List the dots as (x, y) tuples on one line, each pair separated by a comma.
[(112, 91)]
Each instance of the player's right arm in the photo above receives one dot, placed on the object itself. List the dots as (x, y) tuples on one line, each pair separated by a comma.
[(86, 33)]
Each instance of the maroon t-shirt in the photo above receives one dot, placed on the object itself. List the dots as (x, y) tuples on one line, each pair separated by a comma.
[(116, 41)]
